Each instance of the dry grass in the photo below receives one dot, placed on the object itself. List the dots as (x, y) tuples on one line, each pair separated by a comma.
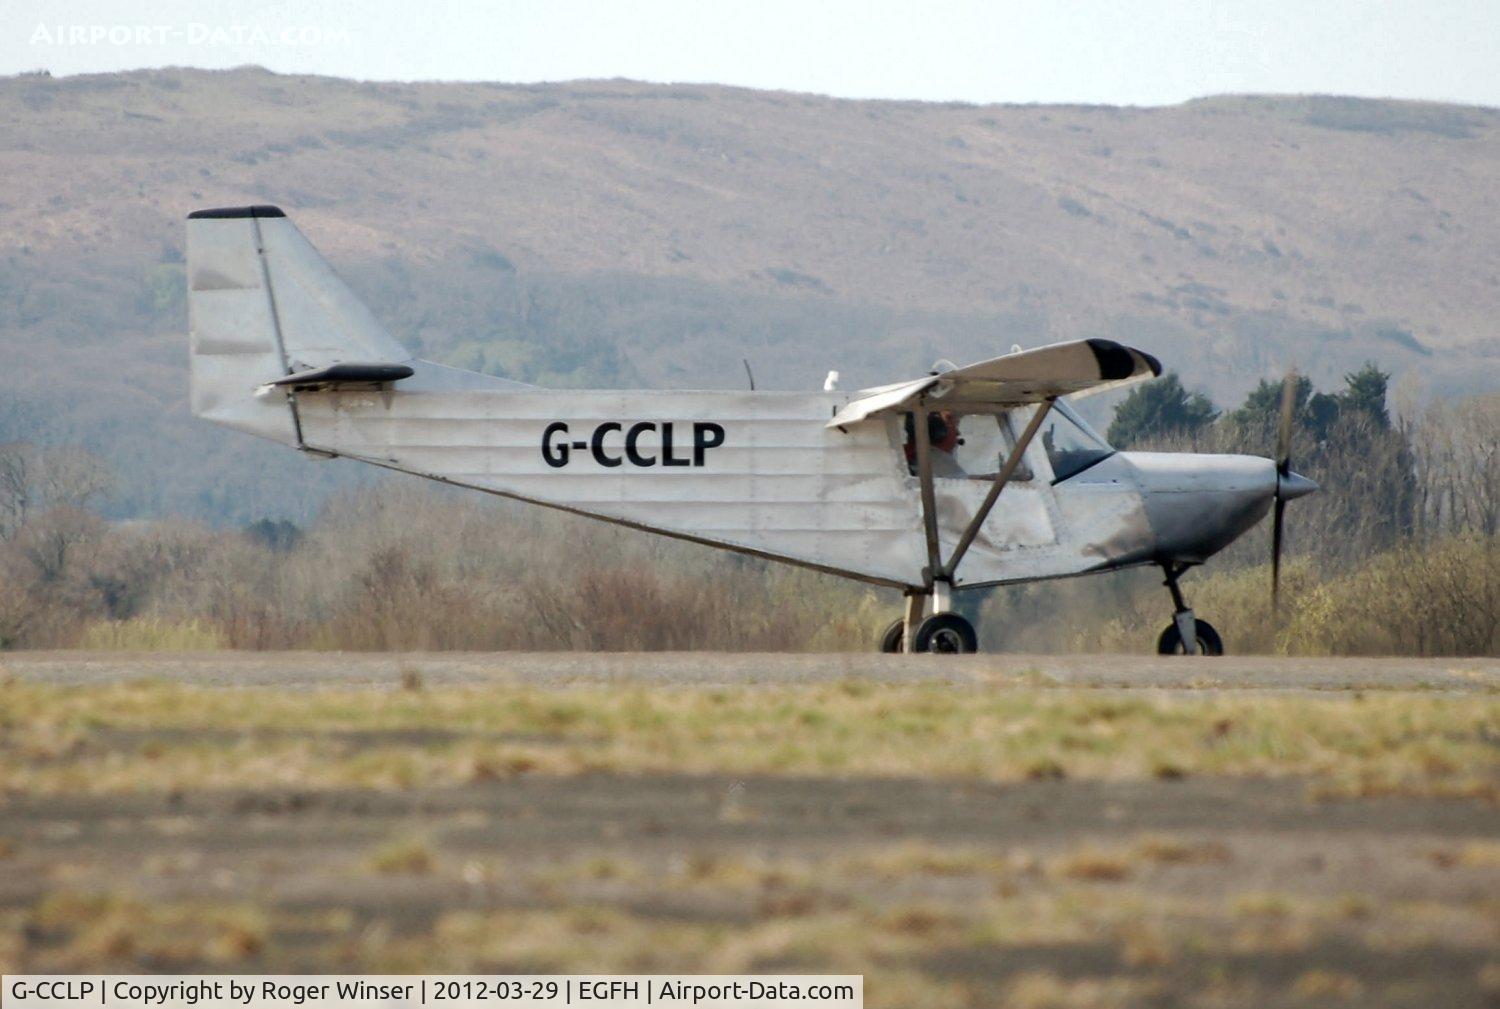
[(901, 913), (156, 736), (405, 856), (1327, 985), (118, 929), (1166, 850), (1475, 854), (853, 913), (1094, 865), (152, 634)]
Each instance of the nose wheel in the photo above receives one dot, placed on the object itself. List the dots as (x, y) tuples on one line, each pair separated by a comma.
[(1209, 642), (1186, 634)]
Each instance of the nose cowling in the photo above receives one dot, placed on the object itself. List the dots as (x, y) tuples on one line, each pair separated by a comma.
[(1199, 504), (1291, 486)]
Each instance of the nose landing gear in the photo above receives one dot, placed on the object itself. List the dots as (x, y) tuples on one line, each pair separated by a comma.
[(1186, 634)]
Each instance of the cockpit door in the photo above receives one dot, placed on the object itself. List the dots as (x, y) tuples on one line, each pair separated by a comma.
[(967, 451)]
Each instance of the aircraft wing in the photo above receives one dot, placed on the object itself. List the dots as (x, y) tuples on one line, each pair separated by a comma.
[(1028, 376)]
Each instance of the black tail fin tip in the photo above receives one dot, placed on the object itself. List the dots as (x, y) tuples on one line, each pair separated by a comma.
[(220, 213)]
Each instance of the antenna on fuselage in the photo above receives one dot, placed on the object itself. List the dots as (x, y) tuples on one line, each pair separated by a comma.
[(748, 373)]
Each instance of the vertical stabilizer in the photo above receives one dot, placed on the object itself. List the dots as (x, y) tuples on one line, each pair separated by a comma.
[(263, 304)]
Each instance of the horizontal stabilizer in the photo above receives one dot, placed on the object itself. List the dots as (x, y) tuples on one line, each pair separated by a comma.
[(348, 374), (1028, 376)]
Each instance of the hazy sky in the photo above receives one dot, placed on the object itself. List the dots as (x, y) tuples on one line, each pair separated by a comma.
[(1142, 52)]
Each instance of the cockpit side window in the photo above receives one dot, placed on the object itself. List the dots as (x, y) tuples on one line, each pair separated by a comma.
[(968, 446)]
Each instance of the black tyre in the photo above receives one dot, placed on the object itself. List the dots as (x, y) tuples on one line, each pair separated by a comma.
[(894, 638), (946, 634), (1209, 642)]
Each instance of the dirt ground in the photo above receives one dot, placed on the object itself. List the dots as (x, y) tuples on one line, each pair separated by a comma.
[(1063, 887)]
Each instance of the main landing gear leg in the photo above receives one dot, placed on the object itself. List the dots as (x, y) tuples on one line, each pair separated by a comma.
[(942, 597), (1186, 634), (941, 631), (916, 606), (898, 636)]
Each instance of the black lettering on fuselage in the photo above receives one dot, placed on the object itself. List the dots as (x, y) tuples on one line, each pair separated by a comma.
[(667, 458), (596, 445), (706, 435), (558, 449), (555, 452), (632, 444)]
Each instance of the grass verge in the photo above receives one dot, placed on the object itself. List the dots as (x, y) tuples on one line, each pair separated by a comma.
[(155, 736)]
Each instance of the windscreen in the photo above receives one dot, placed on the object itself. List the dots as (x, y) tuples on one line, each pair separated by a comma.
[(1071, 444)]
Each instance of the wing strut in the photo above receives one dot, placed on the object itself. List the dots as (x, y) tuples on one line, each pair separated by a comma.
[(1001, 479), (929, 498), (936, 570)]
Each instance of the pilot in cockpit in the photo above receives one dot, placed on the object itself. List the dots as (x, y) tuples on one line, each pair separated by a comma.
[(943, 436)]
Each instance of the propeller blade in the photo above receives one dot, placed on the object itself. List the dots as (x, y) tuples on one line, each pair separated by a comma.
[(1284, 429), (1276, 517), (1283, 470)]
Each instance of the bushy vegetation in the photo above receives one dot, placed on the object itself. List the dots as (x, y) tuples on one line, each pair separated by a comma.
[(1397, 554), (406, 567)]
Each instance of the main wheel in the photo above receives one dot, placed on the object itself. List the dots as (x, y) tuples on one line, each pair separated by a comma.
[(894, 638), (946, 634), (1209, 642)]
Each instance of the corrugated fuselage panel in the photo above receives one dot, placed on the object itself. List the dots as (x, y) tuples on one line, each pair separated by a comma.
[(753, 471)]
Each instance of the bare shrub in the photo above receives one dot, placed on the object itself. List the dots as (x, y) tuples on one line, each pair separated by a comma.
[(409, 567), (744, 608), (47, 596), (400, 601), (1438, 598), (1457, 463)]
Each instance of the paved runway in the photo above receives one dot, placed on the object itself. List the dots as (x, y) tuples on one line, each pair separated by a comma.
[(372, 669)]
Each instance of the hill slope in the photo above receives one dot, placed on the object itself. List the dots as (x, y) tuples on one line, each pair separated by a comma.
[(623, 233)]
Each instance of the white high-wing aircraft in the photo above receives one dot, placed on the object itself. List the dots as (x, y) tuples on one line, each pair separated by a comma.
[(1005, 483)]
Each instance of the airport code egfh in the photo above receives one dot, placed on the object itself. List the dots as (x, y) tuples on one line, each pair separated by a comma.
[(330, 991)]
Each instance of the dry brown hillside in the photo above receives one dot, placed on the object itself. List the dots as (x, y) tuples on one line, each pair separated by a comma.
[(626, 233)]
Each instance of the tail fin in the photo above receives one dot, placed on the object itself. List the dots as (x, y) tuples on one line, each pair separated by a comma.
[(263, 304)]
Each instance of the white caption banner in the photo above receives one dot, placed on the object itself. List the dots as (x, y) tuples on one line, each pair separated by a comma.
[(443, 991)]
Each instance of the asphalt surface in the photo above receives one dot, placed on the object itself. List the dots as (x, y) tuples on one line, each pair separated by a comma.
[(305, 670)]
